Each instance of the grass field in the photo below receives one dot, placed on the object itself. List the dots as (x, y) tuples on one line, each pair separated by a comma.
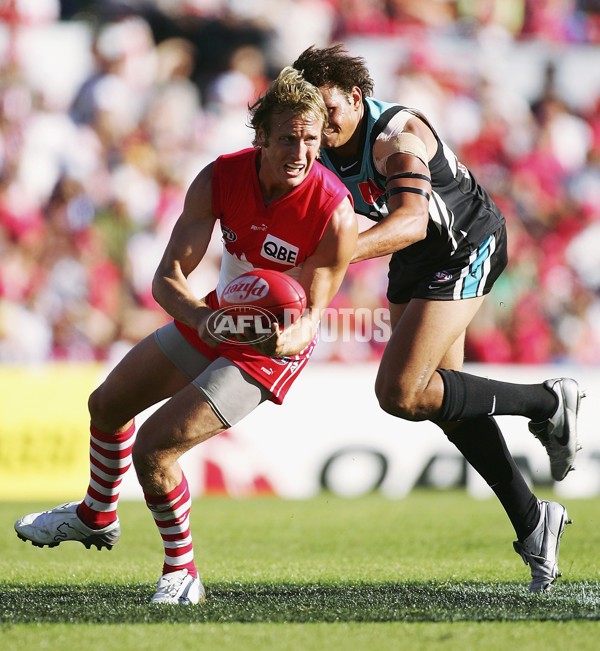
[(433, 571)]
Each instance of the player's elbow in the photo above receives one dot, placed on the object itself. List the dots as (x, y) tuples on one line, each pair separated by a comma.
[(412, 227), (419, 227), (158, 287)]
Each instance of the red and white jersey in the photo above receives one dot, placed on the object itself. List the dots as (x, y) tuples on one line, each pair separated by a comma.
[(280, 236), (277, 236)]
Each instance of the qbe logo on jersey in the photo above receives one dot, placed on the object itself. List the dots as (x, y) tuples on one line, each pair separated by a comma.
[(279, 251)]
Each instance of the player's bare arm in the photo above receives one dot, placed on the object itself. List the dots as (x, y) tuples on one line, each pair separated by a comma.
[(321, 277), (408, 189), (323, 272), (186, 248)]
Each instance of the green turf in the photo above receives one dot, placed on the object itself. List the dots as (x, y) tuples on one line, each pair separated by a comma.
[(435, 570)]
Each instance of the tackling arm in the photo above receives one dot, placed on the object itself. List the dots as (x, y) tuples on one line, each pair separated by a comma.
[(408, 189)]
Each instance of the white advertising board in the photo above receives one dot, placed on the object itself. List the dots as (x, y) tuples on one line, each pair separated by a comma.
[(331, 434)]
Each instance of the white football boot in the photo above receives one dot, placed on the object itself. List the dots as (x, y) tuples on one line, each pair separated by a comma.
[(558, 434), (540, 549), (60, 524), (179, 587)]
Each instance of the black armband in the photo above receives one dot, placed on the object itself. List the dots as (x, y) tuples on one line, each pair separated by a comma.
[(393, 191), (408, 175)]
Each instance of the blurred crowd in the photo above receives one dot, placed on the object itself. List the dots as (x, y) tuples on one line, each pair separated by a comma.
[(109, 109)]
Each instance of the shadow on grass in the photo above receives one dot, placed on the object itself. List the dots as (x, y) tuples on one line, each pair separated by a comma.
[(284, 602)]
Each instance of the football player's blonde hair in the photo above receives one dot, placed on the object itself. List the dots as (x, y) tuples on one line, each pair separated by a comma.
[(290, 91)]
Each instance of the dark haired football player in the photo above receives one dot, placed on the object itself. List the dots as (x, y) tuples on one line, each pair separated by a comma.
[(268, 198), (447, 241)]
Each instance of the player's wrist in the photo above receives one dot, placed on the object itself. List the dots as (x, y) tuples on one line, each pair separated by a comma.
[(205, 325)]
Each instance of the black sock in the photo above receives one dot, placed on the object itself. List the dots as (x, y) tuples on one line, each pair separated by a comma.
[(481, 443), (469, 396)]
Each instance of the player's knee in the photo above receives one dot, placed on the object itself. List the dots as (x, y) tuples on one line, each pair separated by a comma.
[(106, 409), (399, 403), (97, 405)]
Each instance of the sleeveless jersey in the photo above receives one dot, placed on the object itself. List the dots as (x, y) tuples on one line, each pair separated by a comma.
[(461, 213), (277, 236), (280, 236)]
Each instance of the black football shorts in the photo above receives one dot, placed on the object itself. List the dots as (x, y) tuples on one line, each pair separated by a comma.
[(470, 272)]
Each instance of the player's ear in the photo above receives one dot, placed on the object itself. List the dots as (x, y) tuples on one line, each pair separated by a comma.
[(261, 138), (356, 96)]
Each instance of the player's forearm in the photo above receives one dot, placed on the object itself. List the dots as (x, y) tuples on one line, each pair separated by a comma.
[(388, 236), (174, 295)]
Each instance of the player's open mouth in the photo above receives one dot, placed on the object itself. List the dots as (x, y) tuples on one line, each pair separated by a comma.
[(293, 170)]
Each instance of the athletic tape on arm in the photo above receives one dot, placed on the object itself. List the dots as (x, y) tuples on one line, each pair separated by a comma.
[(403, 143)]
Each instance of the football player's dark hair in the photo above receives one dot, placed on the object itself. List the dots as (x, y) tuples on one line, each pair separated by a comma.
[(333, 66)]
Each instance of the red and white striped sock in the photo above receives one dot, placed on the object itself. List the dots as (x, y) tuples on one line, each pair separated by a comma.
[(110, 458), (171, 513)]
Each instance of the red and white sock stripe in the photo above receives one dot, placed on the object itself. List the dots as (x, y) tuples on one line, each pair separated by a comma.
[(171, 513), (110, 458)]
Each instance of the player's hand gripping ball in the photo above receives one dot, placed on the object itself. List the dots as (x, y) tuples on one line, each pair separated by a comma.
[(271, 296)]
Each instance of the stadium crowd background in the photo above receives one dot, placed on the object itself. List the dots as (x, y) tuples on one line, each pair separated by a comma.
[(109, 109)]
